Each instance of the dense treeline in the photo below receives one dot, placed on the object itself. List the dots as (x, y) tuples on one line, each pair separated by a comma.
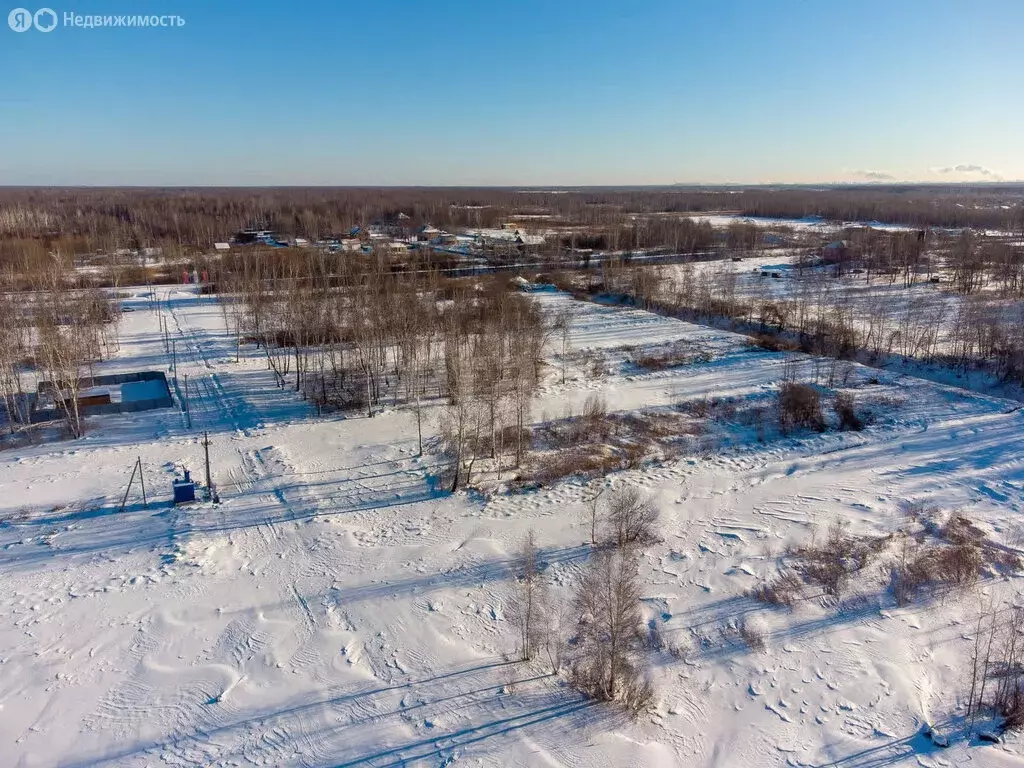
[(91, 219), (979, 207)]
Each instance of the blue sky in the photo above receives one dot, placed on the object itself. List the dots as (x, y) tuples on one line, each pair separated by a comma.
[(553, 92)]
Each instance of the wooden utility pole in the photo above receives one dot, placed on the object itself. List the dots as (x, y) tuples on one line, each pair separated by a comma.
[(188, 411), (206, 450)]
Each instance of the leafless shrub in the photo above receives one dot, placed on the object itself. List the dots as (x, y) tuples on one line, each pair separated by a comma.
[(785, 589), (934, 567), (831, 563), (582, 462), (632, 517), (830, 573), (652, 426), (945, 555), (913, 571), (959, 564), (594, 408), (773, 343), (509, 679), (515, 435), (725, 409), (592, 425), (597, 443), (960, 530), (633, 455), (673, 355), (1003, 560), (828, 565), (845, 407), (637, 695), (759, 418), (1014, 715), (592, 362), (964, 534), (923, 516), (701, 407), (799, 407), (753, 636)]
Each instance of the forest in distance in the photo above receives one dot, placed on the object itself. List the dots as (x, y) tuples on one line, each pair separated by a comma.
[(94, 218)]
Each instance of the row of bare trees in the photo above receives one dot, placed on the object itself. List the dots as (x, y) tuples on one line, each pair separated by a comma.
[(49, 338), (972, 261), (353, 335), (996, 680), (829, 317), (598, 637)]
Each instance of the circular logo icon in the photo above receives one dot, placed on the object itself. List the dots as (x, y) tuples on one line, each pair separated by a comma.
[(20, 20), (45, 19)]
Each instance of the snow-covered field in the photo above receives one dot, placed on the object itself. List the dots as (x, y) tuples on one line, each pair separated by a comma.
[(886, 313), (777, 276), (337, 610), (805, 224)]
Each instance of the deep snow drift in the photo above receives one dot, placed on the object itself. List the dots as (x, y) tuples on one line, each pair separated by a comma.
[(336, 609)]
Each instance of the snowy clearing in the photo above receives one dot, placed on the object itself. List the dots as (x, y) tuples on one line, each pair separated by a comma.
[(337, 609)]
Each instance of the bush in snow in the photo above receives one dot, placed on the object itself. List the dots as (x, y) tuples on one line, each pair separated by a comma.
[(799, 407), (785, 589), (845, 407), (632, 518), (829, 565)]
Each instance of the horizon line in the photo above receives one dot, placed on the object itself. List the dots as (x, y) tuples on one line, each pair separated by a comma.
[(540, 187)]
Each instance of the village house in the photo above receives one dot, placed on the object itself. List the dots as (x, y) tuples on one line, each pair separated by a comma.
[(427, 233)]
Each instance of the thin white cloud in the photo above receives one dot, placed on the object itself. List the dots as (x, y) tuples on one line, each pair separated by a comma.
[(874, 175), (969, 169)]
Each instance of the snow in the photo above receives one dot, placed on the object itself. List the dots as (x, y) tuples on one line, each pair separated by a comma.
[(884, 303), (806, 223), (507, 234), (336, 609)]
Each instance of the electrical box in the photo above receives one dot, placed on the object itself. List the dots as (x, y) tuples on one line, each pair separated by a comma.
[(184, 489)]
